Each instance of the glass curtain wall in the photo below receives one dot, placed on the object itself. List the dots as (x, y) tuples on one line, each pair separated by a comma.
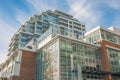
[(47, 63), (114, 60), (74, 56), (67, 60), (94, 37), (110, 36)]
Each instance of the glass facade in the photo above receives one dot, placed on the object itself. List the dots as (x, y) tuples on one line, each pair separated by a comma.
[(39, 24), (113, 54), (67, 60), (51, 17), (74, 56), (114, 60), (110, 36), (24, 39), (65, 31), (39, 27), (115, 78), (47, 63), (94, 37)]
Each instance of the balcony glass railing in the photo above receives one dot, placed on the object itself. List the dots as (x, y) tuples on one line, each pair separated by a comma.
[(55, 30)]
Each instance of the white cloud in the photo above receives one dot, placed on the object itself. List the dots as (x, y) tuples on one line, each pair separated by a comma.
[(36, 6), (41, 5), (6, 33), (21, 16), (90, 12), (115, 4), (85, 11)]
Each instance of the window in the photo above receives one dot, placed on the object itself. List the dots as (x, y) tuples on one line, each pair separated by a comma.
[(23, 40), (83, 25), (70, 22), (114, 59), (39, 27), (39, 23), (68, 46), (62, 44)]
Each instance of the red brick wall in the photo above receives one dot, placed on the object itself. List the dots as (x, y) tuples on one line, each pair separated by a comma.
[(104, 56), (3, 78), (27, 70)]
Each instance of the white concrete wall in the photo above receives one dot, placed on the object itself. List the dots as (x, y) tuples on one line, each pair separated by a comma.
[(46, 40), (12, 66), (115, 30), (16, 69)]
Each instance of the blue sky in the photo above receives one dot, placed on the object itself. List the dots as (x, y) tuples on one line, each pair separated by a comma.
[(14, 13)]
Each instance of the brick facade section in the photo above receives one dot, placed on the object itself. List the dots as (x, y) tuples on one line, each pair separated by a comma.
[(27, 70), (104, 56), (3, 78)]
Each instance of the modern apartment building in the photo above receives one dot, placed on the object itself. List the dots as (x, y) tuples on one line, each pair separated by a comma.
[(109, 42), (55, 46), (22, 49)]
